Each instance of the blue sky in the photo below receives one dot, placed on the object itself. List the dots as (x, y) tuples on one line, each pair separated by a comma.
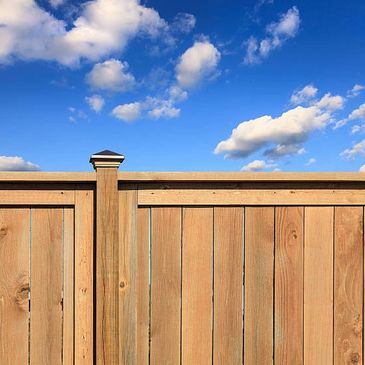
[(183, 85)]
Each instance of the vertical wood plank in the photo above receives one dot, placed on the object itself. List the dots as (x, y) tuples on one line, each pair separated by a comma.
[(289, 285), (259, 285), (84, 268), (127, 276), (318, 285), (165, 285), (14, 286), (46, 287), (107, 256), (197, 286), (348, 288), (68, 286), (228, 285), (143, 305)]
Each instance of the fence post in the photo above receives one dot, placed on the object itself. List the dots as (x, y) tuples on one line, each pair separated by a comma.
[(106, 164)]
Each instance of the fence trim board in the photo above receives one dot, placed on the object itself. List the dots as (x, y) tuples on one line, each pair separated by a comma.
[(250, 197)]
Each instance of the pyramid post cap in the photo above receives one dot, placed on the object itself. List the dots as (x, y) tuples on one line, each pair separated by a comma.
[(106, 158)]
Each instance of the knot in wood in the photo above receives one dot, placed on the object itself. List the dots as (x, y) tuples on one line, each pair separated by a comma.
[(355, 357), (122, 284)]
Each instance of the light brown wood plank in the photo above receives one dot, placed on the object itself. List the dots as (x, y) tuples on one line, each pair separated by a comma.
[(348, 288), (107, 267), (318, 285), (165, 285), (228, 286), (37, 197), (143, 305), (289, 285), (68, 286), (197, 286), (46, 287), (238, 176), (84, 269), (250, 197), (128, 276), (259, 270), (14, 286)]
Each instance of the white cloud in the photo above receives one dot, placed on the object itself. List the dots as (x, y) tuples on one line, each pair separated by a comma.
[(304, 95), (128, 112), (257, 165), (311, 161), (197, 62), (96, 102), (111, 75), (357, 149), (358, 114), (28, 32), (355, 91), (183, 23), (16, 163), (277, 34), (362, 168), (56, 3), (286, 132)]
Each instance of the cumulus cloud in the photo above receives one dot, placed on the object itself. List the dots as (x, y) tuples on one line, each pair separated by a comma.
[(257, 165), (111, 75), (304, 95), (16, 163), (96, 102), (196, 63), (104, 26), (362, 168), (283, 135), (183, 23), (128, 112), (355, 91), (277, 33), (355, 150)]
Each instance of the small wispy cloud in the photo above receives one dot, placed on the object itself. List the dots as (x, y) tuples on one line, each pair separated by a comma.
[(355, 91), (277, 33), (96, 102), (258, 165)]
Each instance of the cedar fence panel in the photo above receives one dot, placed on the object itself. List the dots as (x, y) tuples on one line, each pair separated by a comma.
[(112, 268)]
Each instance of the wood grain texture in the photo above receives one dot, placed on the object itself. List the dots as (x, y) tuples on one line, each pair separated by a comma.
[(128, 276), (262, 197), (107, 256), (235, 176), (318, 285), (68, 286), (289, 285), (259, 284), (84, 269), (348, 288), (14, 285), (228, 286), (165, 285), (197, 286), (46, 287), (143, 305), (37, 197)]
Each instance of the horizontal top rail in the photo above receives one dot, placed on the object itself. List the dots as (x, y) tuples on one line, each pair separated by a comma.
[(186, 176), (47, 176), (240, 176)]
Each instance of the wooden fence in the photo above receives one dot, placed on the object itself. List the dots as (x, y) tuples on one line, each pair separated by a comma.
[(113, 268)]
